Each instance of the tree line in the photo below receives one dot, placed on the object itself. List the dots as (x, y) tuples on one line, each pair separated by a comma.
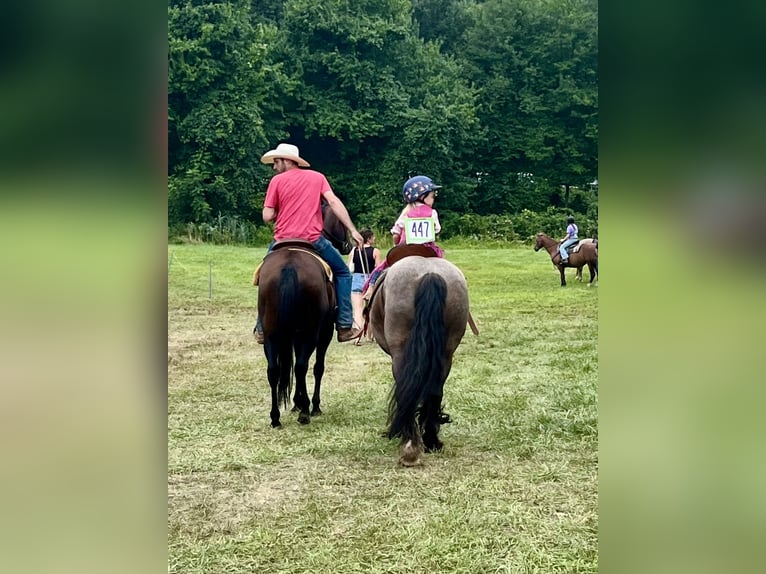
[(496, 100)]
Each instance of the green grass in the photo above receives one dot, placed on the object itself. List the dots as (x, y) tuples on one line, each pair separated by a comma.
[(515, 489)]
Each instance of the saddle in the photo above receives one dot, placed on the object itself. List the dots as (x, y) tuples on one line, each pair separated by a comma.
[(294, 245), (575, 247), (399, 252)]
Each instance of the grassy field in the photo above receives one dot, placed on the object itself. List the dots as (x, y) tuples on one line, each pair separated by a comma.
[(515, 489)]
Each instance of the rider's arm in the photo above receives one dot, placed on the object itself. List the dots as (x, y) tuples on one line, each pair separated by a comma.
[(269, 214)]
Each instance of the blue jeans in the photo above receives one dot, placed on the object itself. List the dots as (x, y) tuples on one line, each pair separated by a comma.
[(563, 247), (341, 277)]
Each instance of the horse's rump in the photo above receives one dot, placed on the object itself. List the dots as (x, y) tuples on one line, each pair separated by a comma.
[(394, 299), (296, 276)]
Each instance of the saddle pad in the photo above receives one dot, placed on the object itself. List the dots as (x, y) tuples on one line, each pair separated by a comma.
[(327, 269), (579, 244)]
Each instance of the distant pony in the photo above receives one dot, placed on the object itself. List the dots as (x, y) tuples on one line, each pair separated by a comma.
[(585, 252), (418, 314)]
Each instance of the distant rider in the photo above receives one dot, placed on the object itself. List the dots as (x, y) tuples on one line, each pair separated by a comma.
[(570, 239)]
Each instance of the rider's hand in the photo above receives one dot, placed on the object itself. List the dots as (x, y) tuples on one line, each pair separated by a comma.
[(358, 239)]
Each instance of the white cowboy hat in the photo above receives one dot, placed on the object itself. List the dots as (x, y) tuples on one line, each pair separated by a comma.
[(284, 151)]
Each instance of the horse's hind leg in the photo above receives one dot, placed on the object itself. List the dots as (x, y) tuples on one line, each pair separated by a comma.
[(319, 363), (318, 373), (301, 394), (429, 423), (593, 268), (273, 376)]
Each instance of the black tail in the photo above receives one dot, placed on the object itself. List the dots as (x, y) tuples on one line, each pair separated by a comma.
[(421, 373), (286, 325)]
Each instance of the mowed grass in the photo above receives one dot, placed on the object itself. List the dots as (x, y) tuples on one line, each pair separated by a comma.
[(514, 490)]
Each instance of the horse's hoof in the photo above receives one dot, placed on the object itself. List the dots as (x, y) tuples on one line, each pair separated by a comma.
[(316, 412), (409, 462), (276, 425), (304, 418), (409, 454)]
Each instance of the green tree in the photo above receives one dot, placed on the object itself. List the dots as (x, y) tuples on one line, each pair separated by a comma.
[(377, 103), (221, 86), (536, 61), (443, 22)]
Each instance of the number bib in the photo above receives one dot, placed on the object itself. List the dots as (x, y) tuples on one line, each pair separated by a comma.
[(419, 229)]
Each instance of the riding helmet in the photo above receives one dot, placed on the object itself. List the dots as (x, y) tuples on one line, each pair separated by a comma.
[(417, 187), (570, 219)]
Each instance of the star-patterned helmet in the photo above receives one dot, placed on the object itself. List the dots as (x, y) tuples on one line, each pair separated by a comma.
[(417, 187)]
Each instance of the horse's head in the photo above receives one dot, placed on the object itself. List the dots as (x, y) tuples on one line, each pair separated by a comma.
[(539, 242), (334, 231)]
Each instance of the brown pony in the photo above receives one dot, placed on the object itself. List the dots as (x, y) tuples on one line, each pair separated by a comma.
[(296, 303), (586, 254), (418, 315)]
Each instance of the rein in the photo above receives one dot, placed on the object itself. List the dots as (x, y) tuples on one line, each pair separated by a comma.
[(363, 260)]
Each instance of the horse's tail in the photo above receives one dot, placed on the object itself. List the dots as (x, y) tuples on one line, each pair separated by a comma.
[(288, 297), (422, 370)]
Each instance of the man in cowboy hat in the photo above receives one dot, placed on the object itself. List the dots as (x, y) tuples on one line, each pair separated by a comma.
[(293, 201)]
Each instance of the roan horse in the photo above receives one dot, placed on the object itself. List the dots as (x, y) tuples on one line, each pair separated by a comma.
[(418, 314), (586, 254)]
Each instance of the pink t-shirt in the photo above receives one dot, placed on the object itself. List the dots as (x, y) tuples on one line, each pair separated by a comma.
[(296, 195)]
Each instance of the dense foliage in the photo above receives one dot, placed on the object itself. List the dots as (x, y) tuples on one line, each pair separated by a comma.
[(496, 100)]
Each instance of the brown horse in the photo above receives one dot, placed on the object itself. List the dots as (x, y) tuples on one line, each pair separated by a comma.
[(296, 304), (418, 315), (334, 231), (586, 254)]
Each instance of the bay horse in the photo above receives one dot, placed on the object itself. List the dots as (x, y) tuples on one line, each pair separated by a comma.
[(296, 304), (334, 231), (418, 314), (586, 254)]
